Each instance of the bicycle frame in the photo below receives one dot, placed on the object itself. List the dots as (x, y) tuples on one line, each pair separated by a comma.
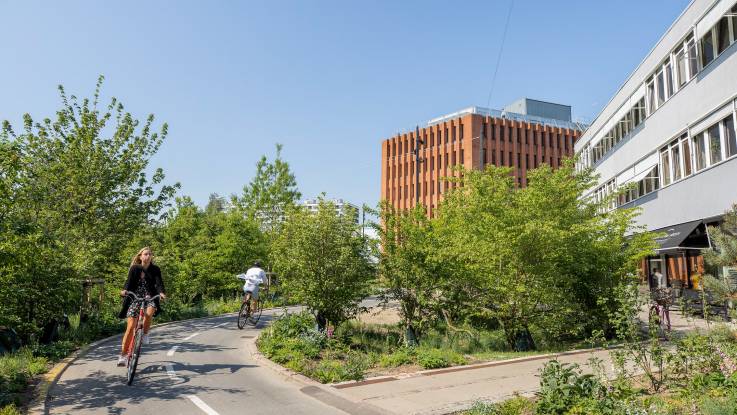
[(134, 345)]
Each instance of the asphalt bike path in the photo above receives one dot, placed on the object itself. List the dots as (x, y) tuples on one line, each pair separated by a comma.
[(191, 367)]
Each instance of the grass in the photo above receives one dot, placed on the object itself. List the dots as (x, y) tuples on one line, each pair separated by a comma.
[(16, 371), (357, 348)]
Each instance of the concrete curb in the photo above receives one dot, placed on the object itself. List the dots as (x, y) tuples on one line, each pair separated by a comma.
[(433, 372), (39, 404)]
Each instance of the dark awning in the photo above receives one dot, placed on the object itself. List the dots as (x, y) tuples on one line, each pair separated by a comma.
[(677, 234)]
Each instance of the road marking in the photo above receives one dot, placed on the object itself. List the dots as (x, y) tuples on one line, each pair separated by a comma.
[(188, 338), (171, 373), (221, 324), (171, 352), (197, 401)]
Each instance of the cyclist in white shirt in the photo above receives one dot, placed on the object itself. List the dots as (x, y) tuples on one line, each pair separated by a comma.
[(253, 277)]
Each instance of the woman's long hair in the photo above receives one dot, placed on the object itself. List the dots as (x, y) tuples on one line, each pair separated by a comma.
[(137, 257)]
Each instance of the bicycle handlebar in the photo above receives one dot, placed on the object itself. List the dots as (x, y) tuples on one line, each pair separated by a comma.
[(137, 298)]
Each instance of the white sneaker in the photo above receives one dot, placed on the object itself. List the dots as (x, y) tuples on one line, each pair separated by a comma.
[(122, 360), (146, 339)]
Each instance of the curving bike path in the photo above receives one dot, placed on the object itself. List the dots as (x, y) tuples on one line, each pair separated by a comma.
[(191, 367)]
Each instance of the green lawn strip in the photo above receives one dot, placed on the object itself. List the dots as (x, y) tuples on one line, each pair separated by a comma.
[(356, 350)]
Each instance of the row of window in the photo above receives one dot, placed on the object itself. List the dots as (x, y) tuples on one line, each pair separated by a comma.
[(442, 187), (561, 141), (716, 40), (681, 158), (631, 120), (405, 145), (681, 65), (686, 155), (404, 169)]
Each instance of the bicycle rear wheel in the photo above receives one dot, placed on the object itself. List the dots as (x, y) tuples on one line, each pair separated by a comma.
[(243, 315), (256, 314), (133, 362)]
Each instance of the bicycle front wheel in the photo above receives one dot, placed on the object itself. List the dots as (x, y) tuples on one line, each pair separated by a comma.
[(133, 362), (243, 315)]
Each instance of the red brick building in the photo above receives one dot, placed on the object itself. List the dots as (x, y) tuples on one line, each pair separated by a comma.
[(473, 137)]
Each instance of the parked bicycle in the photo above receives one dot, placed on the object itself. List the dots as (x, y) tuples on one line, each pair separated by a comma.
[(661, 299), (137, 339)]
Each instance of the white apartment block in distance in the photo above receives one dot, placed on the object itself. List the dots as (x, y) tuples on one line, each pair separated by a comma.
[(341, 207), (669, 134)]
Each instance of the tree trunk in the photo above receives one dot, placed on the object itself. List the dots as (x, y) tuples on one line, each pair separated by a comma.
[(519, 338), (410, 336), (322, 322)]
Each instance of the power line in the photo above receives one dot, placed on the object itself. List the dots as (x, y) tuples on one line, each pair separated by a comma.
[(499, 58)]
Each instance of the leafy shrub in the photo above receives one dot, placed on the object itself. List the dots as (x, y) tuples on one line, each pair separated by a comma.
[(314, 338), (438, 358), (282, 351), (16, 371), (719, 406), (291, 325), (222, 306), (328, 371), (356, 365), (54, 351), (402, 356), (562, 386), (514, 406), (9, 410), (298, 365)]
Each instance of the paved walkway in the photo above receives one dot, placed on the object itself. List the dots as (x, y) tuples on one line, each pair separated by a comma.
[(454, 390)]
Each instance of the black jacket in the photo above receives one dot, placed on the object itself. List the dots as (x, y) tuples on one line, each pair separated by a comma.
[(153, 281)]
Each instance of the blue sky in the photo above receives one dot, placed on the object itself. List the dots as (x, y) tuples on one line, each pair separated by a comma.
[(328, 79)]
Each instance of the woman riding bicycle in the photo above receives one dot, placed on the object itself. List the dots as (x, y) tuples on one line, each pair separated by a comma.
[(144, 279)]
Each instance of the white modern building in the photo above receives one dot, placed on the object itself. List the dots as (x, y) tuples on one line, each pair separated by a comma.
[(669, 134), (341, 207)]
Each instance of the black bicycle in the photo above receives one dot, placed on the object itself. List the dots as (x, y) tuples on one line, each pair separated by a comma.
[(249, 314), (134, 352)]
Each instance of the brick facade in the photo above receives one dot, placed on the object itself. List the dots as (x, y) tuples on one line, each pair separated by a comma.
[(472, 140)]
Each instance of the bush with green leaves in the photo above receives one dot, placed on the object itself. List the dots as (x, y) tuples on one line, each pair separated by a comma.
[(16, 371), (438, 358), (514, 406), (563, 385), (9, 410), (401, 356)]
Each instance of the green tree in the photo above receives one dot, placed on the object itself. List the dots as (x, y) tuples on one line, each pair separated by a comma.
[(542, 256), (723, 255), (406, 268), (271, 193), (75, 190), (200, 252), (84, 178), (323, 261)]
